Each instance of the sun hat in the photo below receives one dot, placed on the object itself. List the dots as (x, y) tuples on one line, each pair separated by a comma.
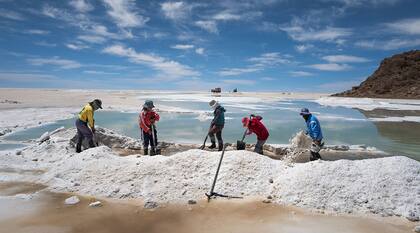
[(148, 104)]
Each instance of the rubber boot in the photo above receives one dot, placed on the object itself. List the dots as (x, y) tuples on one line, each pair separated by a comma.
[(314, 156), (79, 145), (220, 145), (213, 145), (91, 144), (145, 151), (152, 151)]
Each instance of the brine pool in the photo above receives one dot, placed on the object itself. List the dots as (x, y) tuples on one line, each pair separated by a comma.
[(340, 125)]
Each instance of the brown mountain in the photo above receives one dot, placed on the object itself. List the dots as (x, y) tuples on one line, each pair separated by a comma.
[(397, 77)]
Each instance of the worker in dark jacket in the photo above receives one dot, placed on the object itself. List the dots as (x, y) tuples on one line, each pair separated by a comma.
[(217, 125), (314, 131), (254, 125), (84, 119)]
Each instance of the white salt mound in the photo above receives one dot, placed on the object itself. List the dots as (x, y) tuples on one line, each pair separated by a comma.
[(385, 186)]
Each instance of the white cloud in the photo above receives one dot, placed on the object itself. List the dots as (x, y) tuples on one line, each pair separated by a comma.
[(55, 61), (199, 51), (92, 39), (167, 67), (330, 67), (344, 59), (11, 15), (81, 5), (51, 12), (226, 16), (176, 10), (207, 25), (183, 46), (124, 13), (303, 47), (237, 71), (269, 59), (45, 44), (392, 44), (302, 34), (268, 79), (239, 81), (300, 73), (36, 32), (99, 72), (361, 3), (406, 26), (76, 46)]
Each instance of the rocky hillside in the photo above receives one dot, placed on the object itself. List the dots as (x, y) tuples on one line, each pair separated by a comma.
[(397, 77)]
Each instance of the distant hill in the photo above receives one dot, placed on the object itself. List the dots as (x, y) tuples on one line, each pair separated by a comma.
[(397, 77)]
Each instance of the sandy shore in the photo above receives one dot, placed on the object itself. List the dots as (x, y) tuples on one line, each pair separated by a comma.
[(112, 99)]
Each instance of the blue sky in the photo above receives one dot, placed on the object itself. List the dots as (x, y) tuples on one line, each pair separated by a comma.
[(261, 45)]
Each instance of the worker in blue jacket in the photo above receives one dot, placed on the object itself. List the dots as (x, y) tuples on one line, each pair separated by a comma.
[(314, 131)]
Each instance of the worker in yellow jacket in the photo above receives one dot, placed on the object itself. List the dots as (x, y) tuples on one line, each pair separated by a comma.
[(86, 118)]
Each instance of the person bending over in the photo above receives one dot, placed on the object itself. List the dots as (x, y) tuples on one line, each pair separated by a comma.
[(254, 125), (84, 119), (314, 131)]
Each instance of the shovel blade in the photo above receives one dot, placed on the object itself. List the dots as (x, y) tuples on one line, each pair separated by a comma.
[(240, 145)]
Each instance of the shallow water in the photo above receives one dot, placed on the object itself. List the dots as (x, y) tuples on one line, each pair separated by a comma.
[(340, 125), (46, 212)]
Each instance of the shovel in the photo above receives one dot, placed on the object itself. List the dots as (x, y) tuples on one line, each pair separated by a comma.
[(205, 140), (213, 194), (240, 145), (158, 150)]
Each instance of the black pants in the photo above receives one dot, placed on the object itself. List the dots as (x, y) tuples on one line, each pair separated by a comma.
[(216, 130), (148, 139)]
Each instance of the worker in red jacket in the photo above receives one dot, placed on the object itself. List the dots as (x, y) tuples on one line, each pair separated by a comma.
[(254, 125), (147, 119)]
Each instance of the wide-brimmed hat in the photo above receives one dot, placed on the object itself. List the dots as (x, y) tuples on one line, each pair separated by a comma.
[(148, 104), (304, 112), (213, 103)]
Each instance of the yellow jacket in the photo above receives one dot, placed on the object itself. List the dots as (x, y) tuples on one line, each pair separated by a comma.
[(86, 115)]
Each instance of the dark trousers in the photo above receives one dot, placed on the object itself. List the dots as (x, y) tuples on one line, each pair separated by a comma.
[(259, 147), (216, 130), (83, 132), (148, 139), (315, 151)]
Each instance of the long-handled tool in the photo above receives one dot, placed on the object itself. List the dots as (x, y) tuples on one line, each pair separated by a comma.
[(240, 145), (212, 193), (155, 142), (205, 139)]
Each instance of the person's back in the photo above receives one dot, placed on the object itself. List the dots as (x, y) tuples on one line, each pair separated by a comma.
[(257, 127), (219, 116), (314, 128)]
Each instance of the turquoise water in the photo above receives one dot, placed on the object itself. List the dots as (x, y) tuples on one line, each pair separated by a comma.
[(340, 125)]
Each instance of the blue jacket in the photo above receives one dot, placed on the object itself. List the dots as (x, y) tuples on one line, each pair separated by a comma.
[(314, 128)]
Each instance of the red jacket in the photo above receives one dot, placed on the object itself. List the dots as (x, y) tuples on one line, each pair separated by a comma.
[(146, 119), (257, 127)]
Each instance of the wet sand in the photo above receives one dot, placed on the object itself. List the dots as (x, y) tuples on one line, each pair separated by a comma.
[(50, 214)]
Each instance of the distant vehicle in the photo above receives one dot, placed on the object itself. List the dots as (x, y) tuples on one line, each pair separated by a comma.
[(216, 90)]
